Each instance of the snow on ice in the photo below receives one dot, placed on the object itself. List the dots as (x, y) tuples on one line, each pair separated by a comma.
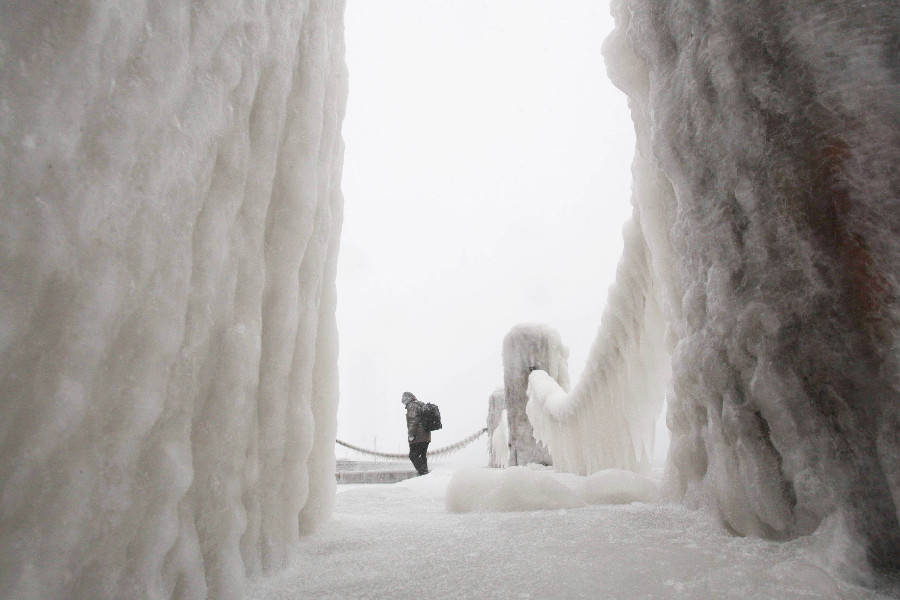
[(534, 488)]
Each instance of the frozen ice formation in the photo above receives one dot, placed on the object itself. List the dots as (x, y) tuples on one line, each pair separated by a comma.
[(168, 234), (498, 429), (767, 194), (608, 419), (525, 348)]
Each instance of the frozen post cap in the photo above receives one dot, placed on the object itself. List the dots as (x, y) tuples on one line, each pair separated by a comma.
[(407, 398)]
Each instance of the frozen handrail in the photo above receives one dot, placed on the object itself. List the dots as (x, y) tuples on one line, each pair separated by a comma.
[(608, 419)]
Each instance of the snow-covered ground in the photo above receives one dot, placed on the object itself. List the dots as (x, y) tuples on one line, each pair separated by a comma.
[(400, 541)]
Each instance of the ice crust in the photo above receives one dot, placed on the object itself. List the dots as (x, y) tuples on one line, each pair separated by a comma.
[(168, 235), (766, 195)]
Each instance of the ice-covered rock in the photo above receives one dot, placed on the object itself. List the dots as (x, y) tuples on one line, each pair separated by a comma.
[(169, 175), (767, 193)]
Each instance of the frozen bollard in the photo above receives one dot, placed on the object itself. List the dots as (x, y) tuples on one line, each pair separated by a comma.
[(498, 432), (525, 348)]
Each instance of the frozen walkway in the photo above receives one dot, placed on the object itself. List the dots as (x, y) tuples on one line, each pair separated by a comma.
[(398, 541), (352, 471)]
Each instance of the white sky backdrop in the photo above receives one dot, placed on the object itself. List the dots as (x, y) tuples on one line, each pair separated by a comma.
[(486, 182)]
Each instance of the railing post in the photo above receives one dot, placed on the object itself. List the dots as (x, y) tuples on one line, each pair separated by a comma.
[(525, 348), (496, 406)]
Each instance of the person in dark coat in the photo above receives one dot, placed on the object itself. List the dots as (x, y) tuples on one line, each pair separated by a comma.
[(418, 436)]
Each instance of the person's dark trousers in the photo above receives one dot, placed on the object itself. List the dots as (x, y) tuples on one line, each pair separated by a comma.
[(418, 454)]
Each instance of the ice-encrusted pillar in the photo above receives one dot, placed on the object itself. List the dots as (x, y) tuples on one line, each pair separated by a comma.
[(170, 212), (496, 406), (527, 347), (766, 186)]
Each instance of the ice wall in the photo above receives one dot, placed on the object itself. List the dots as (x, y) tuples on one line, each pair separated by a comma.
[(767, 192), (608, 419), (168, 234)]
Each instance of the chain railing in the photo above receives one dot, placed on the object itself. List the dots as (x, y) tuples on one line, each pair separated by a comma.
[(437, 452)]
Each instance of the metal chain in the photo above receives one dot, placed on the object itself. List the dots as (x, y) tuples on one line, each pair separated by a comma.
[(445, 450)]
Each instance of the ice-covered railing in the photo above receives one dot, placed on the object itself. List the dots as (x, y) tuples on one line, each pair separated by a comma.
[(608, 419)]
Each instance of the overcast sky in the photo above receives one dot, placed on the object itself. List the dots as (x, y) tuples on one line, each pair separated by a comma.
[(486, 182)]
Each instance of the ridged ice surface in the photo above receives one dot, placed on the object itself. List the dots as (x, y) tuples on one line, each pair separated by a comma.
[(168, 234), (498, 429), (766, 188), (608, 419), (528, 347)]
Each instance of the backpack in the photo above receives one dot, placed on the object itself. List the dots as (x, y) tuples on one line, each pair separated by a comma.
[(431, 417)]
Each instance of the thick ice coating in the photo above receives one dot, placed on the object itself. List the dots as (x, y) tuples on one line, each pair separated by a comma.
[(607, 420), (767, 193), (168, 233), (498, 429), (169, 175), (525, 348)]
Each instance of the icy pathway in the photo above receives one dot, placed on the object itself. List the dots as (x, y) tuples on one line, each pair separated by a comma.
[(397, 541)]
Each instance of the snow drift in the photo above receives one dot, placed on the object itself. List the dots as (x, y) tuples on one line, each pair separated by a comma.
[(168, 233), (535, 488)]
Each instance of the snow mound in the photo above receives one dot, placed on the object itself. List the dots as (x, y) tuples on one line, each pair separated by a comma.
[(534, 488), (615, 486), (432, 486)]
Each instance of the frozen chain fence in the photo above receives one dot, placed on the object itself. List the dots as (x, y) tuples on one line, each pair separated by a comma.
[(444, 450)]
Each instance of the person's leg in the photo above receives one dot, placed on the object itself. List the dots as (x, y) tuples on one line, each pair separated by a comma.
[(417, 456), (413, 455), (425, 456)]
